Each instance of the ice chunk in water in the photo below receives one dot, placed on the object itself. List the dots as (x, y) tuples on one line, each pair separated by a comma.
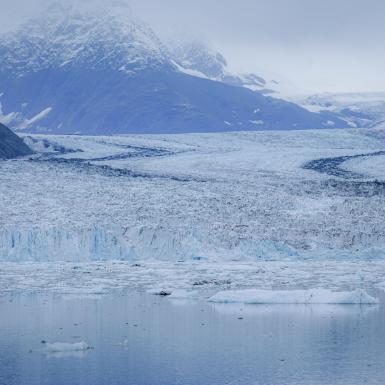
[(63, 347), (313, 296)]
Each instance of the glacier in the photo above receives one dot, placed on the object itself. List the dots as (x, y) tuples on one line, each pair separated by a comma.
[(59, 245), (114, 243), (198, 213)]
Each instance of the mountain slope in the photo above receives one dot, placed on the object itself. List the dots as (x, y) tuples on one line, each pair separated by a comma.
[(103, 73), (11, 146), (360, 109)]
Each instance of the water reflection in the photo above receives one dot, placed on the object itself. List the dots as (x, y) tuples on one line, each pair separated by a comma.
[(141, 339)]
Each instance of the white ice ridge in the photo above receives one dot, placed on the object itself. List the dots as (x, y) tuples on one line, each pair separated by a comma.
[(106, 243), (313, 296), (53, 244), (96, 243)]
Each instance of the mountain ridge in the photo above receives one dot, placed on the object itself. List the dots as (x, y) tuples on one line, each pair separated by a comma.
[(102, 73)]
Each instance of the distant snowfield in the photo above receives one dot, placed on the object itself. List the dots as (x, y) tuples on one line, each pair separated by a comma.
[(197, 213), (359, 109)]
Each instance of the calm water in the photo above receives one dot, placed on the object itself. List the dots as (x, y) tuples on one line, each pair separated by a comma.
[(145, 340)]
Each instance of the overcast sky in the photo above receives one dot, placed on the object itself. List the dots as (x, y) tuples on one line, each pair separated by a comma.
[(319, 45)]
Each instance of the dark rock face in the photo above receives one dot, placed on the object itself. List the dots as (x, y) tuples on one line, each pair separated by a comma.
[(11, 146), (105, 102)]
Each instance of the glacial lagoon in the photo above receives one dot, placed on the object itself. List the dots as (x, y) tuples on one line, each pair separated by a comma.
[(132, 338)]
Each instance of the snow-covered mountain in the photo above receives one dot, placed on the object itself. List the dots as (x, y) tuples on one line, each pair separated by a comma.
[(360, 109), (98, 72), (196, 56)]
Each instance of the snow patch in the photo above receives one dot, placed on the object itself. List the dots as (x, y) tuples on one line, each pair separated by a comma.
[(6, 119), (329, 123), (28, 122), (257, 122), (188, 71)]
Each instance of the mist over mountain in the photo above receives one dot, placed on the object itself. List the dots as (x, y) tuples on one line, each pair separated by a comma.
[(197, 58), (97, 72)]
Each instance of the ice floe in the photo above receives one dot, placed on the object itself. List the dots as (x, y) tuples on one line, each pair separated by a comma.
[(62, 347), (203, 278), (314, 296)]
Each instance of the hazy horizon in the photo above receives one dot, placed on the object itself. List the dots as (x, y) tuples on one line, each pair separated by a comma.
[(319, 46)]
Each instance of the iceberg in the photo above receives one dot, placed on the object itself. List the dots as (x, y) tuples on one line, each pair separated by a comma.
[(311, 296), (64, 347)]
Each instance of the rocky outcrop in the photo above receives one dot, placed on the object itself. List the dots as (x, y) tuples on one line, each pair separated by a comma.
[(11, 146)]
